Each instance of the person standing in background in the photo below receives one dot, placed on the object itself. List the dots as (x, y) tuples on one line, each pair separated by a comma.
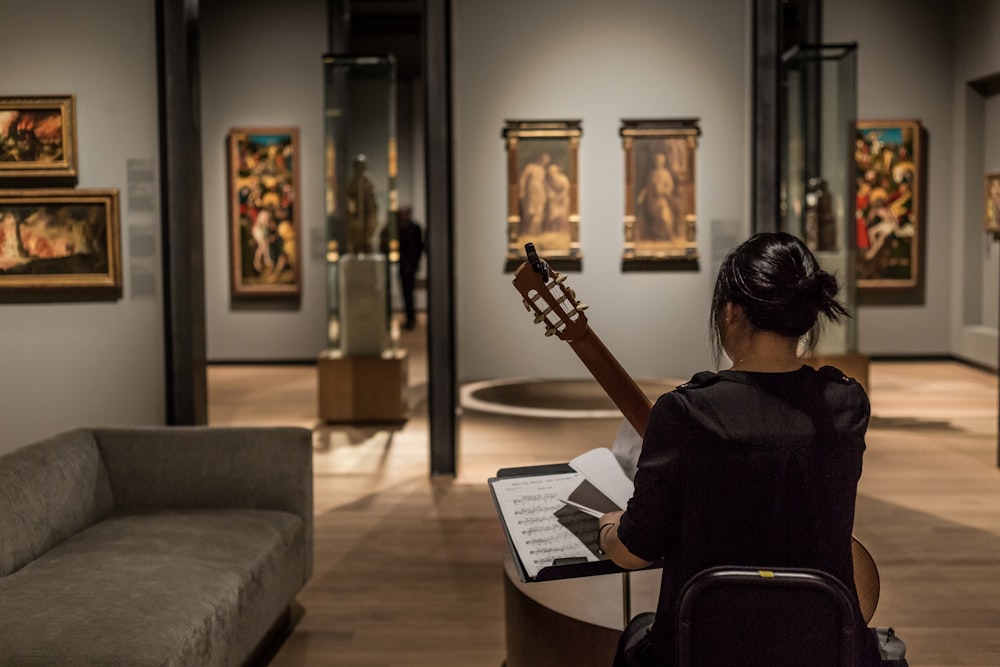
[(411, 247)]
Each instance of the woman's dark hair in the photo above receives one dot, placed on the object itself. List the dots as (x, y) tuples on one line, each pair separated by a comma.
[(779, 284)]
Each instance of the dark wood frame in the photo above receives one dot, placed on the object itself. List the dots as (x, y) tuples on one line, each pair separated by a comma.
[(638, 138), (240, 229), (904, 247), (562, 137), (61, 171), (75, 273)]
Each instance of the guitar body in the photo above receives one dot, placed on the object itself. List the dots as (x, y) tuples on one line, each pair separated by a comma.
[(545, 293)]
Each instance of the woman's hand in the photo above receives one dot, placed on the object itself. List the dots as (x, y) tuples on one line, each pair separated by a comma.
[(608, 543)]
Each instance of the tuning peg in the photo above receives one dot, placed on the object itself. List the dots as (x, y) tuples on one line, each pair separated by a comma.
[(549, 331), (561, 279), (526, 304), (582, 306), (538, 318)]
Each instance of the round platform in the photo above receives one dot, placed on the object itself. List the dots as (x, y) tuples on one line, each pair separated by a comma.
[(552, 399)]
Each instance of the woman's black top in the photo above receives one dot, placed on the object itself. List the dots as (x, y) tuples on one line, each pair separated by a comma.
[(744, 468)]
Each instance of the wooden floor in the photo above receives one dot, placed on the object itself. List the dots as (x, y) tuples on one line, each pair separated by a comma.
[(408, 567)]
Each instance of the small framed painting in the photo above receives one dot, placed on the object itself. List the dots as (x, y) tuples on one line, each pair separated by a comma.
[(992, 220), (661, 222), (59, 239), (542, 191), (38, 141), (264, 211)]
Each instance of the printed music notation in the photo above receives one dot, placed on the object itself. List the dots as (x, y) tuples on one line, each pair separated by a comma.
[(529, 506)]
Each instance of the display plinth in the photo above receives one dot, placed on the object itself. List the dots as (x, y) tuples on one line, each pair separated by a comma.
[(364, 323), (362, 388)]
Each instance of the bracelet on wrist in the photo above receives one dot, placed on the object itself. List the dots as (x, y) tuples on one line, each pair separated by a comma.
[(600, 536)]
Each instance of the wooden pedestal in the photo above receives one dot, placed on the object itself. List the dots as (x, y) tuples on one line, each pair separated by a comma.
[(362, 388)]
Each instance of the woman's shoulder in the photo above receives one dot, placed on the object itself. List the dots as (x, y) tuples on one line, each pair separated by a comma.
[(807, 377), (700, 380)]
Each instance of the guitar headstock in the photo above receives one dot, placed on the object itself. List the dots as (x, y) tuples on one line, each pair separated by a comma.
[(546, 294)]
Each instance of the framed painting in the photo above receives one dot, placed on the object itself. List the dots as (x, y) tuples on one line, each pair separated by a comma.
[(38, 141), (264, 211), (542, 191), (660, 215), (992, 197), (60, 240), (889, 177)]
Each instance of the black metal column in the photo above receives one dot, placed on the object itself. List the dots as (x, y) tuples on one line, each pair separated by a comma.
[(442, 382), (181, 212), (778, 25), (766, 110), (338, 28)]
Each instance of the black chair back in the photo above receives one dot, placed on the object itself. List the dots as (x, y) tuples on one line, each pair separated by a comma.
[(765, 618)]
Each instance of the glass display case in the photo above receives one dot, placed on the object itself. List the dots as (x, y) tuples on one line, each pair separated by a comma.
[(362, 373), (819, 111), (360, 170)]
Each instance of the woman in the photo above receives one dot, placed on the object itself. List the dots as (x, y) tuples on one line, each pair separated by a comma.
[(754, 465)]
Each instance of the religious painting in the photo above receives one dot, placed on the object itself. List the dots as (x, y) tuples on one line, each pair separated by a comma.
[(264, 212), (542, 193), (660, 214), (37, 141), (889, 181), (992, 196), (59, 239)]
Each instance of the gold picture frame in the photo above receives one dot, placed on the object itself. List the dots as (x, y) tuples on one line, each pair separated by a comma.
[(889, 178), (264, 230), (661, 222), (63, 240), (542, 191), (38, 141), (991, 195)]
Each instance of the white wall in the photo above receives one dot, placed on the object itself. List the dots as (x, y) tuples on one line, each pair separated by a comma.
[(65, 365), (904, 69), (600, 62), (261, 65), (976, 130)]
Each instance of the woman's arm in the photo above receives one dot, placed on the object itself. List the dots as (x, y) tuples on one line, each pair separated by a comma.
[(609, 543)]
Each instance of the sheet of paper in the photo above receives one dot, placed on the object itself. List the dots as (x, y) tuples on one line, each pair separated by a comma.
[(602, 469), (529, 506), (626, 448)]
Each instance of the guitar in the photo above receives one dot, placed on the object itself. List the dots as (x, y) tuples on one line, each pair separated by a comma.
[(554, 303)]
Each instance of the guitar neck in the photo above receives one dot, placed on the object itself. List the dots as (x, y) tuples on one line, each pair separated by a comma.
[(614, 379)]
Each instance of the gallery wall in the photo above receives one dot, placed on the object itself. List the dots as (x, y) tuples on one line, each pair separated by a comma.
[(918, 70), (70, 364), (976, 151), (261, 66), (598, 62)]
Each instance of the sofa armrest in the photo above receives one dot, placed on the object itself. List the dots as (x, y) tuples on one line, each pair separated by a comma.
[(194, 467)]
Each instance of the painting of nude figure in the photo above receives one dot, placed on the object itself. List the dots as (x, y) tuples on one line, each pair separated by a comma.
[(542, 190), (264, 212), (660, 213)]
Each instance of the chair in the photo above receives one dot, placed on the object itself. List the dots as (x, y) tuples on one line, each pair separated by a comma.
[(767, 618)]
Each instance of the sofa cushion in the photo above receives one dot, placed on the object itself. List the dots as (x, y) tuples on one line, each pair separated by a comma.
[(198, 587), (49, 490)]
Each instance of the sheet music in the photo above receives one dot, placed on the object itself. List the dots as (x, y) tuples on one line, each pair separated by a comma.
[(529, 506)]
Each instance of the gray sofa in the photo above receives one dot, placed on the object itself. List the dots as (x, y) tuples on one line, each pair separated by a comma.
[(152, 546)]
